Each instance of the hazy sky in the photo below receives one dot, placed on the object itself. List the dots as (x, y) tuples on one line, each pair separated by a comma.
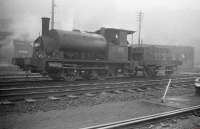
[(164, 21)]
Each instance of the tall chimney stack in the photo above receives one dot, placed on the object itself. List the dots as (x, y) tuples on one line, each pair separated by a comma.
[(45, 25)]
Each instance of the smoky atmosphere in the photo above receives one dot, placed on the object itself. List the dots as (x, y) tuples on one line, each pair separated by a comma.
[(94, 64), (172, 22)]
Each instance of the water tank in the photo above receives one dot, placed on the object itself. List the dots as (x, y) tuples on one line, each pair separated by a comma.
[(78, 41)]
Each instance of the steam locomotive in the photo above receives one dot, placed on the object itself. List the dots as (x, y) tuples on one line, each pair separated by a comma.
[(104, 53)]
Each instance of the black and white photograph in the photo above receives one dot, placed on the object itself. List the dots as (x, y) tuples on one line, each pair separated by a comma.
[(99, 64)]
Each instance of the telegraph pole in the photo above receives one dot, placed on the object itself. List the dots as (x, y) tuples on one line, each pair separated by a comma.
[(139, 27), (52, 14)]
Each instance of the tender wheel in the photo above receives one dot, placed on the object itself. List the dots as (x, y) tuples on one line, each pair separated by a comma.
[(150, 71), (86, 75), (69, 78), (69, 75), (55, 76), (102, 75)]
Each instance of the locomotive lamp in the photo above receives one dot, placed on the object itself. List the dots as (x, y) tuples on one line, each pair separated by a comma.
[(197, 85), (55, 64)]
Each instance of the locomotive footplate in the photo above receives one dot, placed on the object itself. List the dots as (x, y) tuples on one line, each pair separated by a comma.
[(71, 72)]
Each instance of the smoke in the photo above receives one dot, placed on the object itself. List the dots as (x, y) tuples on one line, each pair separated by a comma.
[(169, 27), (22, 28), (171, 22), (26, 27), (6, 50)]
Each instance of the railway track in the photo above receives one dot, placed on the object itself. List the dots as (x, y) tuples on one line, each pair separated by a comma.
[(32, 83), (21, 79), (23, 93), (18, 81), (131, 123)]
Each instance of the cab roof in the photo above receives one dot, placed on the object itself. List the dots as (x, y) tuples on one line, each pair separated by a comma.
[(116, 30)]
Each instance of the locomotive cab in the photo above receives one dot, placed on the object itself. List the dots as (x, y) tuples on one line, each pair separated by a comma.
[(117, 43), (116, 36), (117, 50)]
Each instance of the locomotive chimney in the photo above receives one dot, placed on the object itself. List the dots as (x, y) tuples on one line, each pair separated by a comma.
[(45, 25)]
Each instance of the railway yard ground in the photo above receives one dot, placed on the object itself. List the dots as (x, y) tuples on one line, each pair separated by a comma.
[(61, 105), (90, 66), (87, 115)]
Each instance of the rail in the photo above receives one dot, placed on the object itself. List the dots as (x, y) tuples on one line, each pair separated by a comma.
[(119, 124), (43, 91)]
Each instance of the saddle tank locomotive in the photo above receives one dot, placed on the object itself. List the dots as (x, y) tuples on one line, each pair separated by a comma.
[(70, 55)]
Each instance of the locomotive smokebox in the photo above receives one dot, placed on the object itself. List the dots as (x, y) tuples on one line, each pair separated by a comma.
[(45, 25)]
